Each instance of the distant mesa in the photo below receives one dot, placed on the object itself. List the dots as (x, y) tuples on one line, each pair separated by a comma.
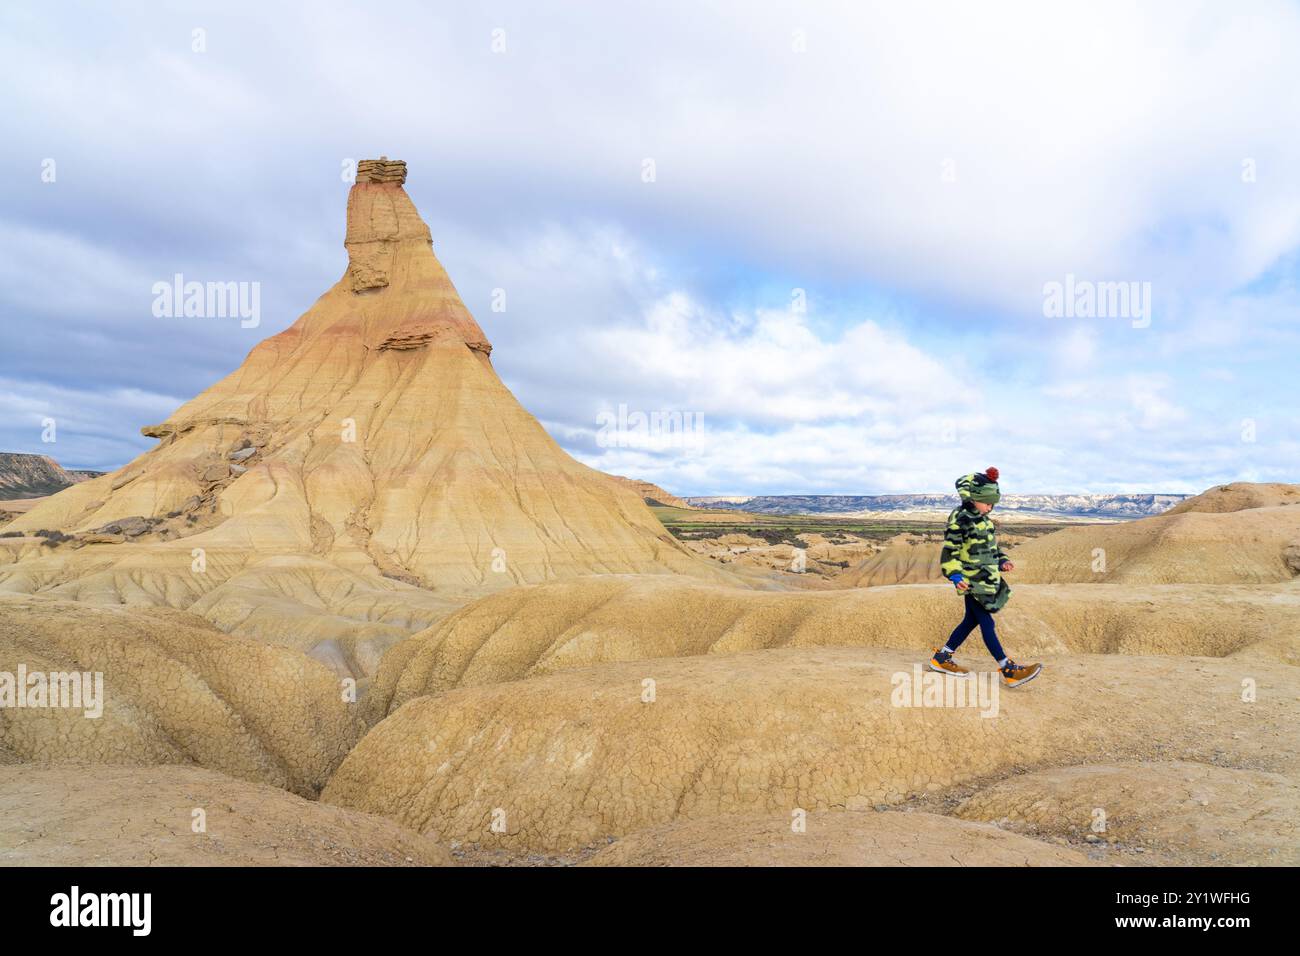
[(34, 476), (1113, 507)]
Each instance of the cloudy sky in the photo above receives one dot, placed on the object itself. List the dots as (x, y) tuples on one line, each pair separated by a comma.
[(831, 233)]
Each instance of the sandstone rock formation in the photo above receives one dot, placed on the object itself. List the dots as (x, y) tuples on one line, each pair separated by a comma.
[(365, 466)]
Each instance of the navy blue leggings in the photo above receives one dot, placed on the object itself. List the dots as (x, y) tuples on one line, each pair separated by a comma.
[(975, 614)]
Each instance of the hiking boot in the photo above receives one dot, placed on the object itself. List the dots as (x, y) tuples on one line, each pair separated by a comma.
[(1013, 675), (943, 663)]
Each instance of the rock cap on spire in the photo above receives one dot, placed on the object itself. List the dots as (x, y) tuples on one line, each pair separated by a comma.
[(381, 170)]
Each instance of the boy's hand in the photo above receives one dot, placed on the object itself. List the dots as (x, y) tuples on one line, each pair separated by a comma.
[(959, 582), (1007, 566)]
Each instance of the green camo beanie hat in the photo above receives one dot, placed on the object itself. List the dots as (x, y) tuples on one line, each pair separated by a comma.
[(981, 486)]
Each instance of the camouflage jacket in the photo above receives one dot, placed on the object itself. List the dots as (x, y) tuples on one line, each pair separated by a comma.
[(970, 545)]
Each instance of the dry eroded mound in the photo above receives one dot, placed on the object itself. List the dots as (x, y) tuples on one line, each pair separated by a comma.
[(1184, 814), (96, 815), (1240, 496), (1254, 546), (563, 760), (175, 690), (908, 561), (527, 632), (842, 838)]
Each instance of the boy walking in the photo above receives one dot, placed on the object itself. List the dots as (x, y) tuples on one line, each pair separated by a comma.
[(973, 562)]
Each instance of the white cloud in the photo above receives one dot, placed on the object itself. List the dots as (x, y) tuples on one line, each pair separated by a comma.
[(778, 371), (1105, 139)]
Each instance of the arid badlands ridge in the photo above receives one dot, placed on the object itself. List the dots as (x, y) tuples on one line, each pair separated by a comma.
[(357, 606)]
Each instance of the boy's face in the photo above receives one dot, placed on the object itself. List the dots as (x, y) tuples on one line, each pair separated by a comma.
[(983, 507)]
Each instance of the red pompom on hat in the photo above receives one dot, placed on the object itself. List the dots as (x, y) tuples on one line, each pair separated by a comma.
[(992, 473)]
